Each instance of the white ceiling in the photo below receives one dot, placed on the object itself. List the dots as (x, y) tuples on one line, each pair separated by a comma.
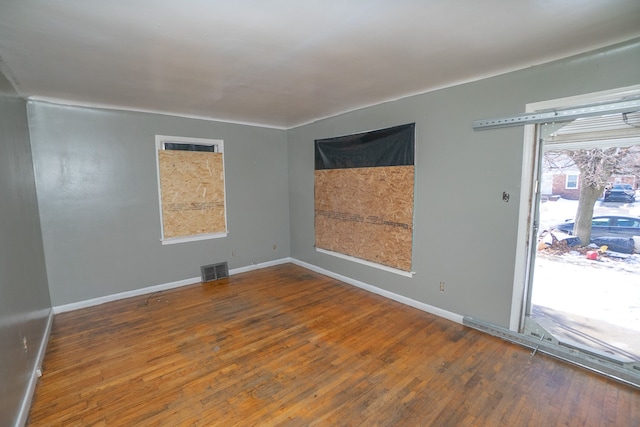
[(282, 63)]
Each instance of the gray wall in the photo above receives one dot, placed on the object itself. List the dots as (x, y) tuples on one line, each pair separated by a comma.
[(24, 296), (97, 187), (464, 234), (98, 200)]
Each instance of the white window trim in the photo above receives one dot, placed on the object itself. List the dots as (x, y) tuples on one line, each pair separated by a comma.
[(161, 140), (566, 181), (408, 274)]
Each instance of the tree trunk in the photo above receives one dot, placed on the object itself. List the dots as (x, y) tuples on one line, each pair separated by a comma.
[(582, 226), (596, 167)]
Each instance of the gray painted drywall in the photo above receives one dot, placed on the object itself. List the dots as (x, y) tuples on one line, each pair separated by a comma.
[(464, 234), (24, 295), (96, 179), (6, 88)]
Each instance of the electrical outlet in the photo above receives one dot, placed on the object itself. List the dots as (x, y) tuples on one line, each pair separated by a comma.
[(441, 286), (275, 247), (24, 344)]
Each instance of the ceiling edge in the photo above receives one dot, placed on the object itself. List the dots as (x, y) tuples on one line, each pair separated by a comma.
[(519, 67), (71, 103)]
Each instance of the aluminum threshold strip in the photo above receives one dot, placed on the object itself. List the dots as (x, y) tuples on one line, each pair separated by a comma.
[(593, 363), (561, 115)]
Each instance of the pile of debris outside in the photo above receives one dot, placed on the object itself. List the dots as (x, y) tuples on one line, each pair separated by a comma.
[(557, 242)]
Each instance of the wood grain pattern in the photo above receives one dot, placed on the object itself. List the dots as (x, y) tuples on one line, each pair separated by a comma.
[(192, 188), (286, 346), (366, 213)]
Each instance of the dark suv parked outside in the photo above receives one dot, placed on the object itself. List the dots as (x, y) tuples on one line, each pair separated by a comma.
[(620, 193)]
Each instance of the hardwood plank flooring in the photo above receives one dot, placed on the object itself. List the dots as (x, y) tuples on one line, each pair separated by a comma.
[(286, 346)]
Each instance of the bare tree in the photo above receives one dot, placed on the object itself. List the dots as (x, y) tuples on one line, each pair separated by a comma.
[(596, 165)]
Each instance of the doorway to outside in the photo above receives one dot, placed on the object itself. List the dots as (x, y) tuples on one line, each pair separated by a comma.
[(586, 295)]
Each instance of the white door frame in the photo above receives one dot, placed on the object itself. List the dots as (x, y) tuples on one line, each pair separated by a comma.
[(528, 189)]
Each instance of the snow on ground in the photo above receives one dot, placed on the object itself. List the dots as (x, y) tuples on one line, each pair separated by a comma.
[(587, 288), (606, 290)]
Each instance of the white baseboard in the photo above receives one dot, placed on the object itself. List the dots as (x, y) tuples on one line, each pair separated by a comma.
[(259, 266), (454, 317), (157, 288), (36, 373), (24, 412), (151, 289), (122, 295)]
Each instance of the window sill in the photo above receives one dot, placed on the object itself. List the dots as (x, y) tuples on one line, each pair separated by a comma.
[(196, 238), (408, 274)]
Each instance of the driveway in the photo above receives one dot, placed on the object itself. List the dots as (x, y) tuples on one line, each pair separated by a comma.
[(589, 302), (593, 303)]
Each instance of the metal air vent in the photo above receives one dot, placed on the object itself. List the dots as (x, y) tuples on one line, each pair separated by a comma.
[(213, 272)]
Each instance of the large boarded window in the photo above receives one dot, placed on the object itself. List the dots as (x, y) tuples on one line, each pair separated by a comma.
[(191, 188), (364, 196)]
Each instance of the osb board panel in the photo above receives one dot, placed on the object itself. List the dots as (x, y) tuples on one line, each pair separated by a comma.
[(366, 213), (192, 189)]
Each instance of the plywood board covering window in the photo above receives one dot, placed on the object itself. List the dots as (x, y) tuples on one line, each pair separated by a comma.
[(192, 190), (364, 187)]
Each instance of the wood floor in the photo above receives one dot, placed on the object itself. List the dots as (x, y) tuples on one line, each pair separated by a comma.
[(287, 346)]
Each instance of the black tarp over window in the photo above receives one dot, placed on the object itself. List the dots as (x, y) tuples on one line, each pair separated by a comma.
[(189, 147), (386, 147)]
